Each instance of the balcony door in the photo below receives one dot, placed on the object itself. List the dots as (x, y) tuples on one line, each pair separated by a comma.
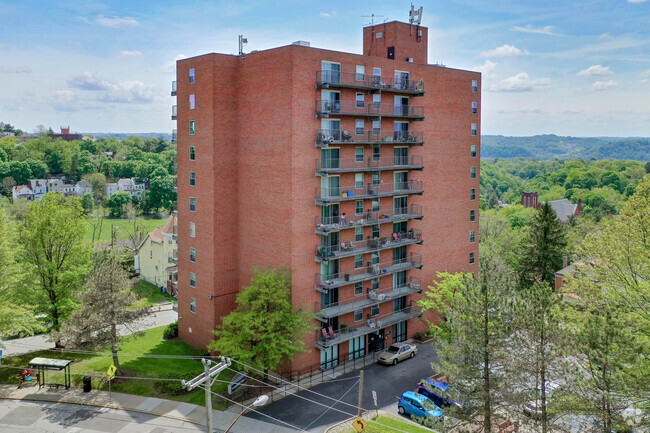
[(330, 157), (330, 269), (331, 101), (330, 241), (401, 131), (331, 72), (400, 179), (399, 332), (330, 186), (329, 357), (330, 214), (401, 106), (401, 155), (331, 298), (399, 279), (331, 130), (401, 80), (399, 254), (400, 205)]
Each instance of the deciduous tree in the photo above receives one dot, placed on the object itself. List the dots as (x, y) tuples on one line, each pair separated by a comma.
[(117, 203)]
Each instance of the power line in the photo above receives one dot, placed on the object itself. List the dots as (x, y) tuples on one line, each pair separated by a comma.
[(339, 400)]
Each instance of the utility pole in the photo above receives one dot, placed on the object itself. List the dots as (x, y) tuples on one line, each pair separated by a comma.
[(206, 380), (360, 409)]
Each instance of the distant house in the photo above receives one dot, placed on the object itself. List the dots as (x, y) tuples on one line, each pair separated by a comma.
[(110, 189), (565, 209), (38, 187), (58, 185), (157, 256), (83, 187), (65, 134), (529, 199), (22, 192), (136, 189)]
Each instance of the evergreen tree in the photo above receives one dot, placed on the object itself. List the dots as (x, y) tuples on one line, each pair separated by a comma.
[(544, 248)]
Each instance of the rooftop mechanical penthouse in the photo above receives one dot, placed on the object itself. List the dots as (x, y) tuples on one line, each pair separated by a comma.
[(359, 172)]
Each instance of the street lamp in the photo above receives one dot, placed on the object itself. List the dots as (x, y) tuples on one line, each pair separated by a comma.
[(259, 401)]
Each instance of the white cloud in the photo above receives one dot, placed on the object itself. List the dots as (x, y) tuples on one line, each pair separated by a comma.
[(133, 53), (487, 69), (331, 14), (116, 22), (109, 91), (527, 110), (636, 1), (520, 83), (604, 85), (170, 67), (63, 100), (645, 76), (546, 30), (505, 51), (605, 37), (596, 71), (16, 70)]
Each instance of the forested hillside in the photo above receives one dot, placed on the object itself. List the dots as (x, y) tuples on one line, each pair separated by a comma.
[(554, 146), (603, 185)]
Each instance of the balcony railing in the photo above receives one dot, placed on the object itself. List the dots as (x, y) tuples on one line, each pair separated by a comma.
[(174, 136), (371, 109), (367, 272), (333, 223), (347, 249), (371, 297), (174, 112), (374, 324), (173, 88), (340, 193), (327, 79), (325, 137), (342, 165)]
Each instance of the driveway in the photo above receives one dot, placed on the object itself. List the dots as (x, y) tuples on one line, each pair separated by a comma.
[(388, 381)]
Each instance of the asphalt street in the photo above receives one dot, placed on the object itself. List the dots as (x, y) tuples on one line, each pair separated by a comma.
[(48, 417), (389, 382)]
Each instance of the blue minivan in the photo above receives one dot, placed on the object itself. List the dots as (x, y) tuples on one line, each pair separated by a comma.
[(440, 393), (411, 403)]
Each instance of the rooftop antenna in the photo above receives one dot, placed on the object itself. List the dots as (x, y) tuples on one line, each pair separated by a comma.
[(415, 16), (372, 18), (242, 41)]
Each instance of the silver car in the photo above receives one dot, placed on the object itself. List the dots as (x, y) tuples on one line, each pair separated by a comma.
[(398, 352)]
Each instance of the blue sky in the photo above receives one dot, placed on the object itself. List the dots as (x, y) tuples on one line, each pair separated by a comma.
[(578, 68)]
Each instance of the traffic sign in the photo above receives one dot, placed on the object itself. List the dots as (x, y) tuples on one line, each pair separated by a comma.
[(374, 397), (111, 372), (359, 424)]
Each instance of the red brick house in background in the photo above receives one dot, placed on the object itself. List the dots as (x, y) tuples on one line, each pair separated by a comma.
[(66, 135), (529, 199), (360, 173)]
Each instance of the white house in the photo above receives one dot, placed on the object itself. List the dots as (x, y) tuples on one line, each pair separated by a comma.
[(38, 187), (22, 192), (111, 188), (83, 187)]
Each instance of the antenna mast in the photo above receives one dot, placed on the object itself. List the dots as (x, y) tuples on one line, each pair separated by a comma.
[(242, 41), (372, 18)]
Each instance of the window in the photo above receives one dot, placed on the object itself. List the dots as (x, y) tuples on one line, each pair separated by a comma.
[(472, 193), (376, 101), (192, 254), (472, 236), (361, 73), (358, 180), (360, 100), (358, 154), (192, 230), (376, 127), (474, 129), (358, 127), (192, 127), (401, 80), (376, 152), (192, 102), (192, 204), (375, 231), (472, 151), (358, 207), (474, 86), (358, 261), (331, 72), (375, 258), (379, 35), (193, 305), (192, 153), (375, 284), (358, 289), (472, 215), (151, 254), (358, 233), (358, 315), (374, 310), (472, 172), (471, 258), (474, 107), (192, 279), (357, 347), (376, 72), (192, 178), (192, 75)]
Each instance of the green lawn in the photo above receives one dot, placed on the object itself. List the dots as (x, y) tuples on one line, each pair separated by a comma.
[(399, 426), (150, 343), (123, 226), (149, 295)]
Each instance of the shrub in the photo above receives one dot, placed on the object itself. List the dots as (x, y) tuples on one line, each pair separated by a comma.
[(171, 331), (172, 387)]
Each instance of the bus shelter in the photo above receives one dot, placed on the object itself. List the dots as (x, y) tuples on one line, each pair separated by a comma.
[(43, 365)]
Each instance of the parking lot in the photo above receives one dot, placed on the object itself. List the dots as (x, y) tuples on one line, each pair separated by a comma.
[(388, 382)]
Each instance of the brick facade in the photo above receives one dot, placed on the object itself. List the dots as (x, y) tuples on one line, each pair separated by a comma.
[(257, 119)]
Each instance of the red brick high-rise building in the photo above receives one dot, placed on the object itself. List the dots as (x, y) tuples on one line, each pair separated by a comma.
[(360, 173)]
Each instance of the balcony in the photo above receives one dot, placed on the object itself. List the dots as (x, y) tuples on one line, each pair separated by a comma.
[(173, 88), (348, 249), (371, 109), (368, 272), (351, 165), (373, 83), (174, 136), (337, 193), (174, 112), (366, 327), (335, 223), (372, 297), (325, 137)]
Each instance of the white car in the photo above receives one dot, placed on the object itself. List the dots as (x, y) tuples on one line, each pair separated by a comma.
[(398, 352), (534, 407)]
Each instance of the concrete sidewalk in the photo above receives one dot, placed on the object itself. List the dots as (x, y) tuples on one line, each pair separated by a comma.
[(154, 406)]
